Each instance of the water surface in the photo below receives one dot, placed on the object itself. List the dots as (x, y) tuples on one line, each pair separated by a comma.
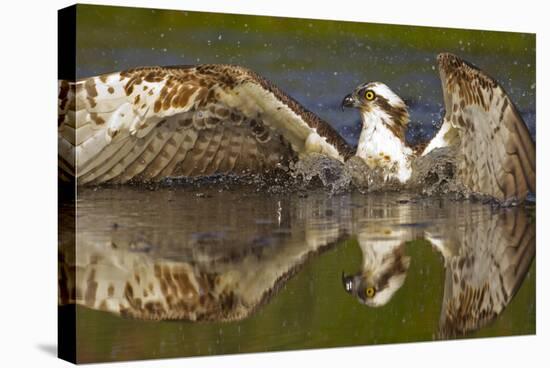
[(282, 258)]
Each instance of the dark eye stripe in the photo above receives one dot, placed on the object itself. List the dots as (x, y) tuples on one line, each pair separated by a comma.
[(396, 268)]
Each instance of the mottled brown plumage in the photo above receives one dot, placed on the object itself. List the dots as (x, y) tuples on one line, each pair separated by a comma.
[(149, 123), (496, 152)]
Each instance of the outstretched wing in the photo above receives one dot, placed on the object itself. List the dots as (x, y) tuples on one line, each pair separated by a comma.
[(154, 122), (496, 152)]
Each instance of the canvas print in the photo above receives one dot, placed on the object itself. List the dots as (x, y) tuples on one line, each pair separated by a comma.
[(240, 183)]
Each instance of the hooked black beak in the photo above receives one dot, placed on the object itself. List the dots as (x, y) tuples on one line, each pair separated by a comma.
[(347, 282), (348, 101)]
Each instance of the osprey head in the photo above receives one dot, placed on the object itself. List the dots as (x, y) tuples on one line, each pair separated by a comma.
[(377, 98)]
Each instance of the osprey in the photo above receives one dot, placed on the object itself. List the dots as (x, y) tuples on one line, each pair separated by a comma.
[(148, 123), (496, 155)]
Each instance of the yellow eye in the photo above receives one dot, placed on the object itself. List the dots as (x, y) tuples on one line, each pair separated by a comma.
[(370, 292), (369, 95)]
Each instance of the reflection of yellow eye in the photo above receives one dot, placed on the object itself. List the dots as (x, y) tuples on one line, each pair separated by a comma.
[(369, 95), (370, 292)]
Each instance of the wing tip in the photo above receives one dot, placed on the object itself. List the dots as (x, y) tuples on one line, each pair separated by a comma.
[(450, 64), (447, 60)]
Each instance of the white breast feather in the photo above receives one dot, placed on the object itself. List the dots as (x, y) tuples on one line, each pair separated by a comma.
[(377, 141)]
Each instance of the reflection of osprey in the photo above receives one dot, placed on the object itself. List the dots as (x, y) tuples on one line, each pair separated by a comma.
[(496, 155), (198, 273), (149, 123), (486, 257)]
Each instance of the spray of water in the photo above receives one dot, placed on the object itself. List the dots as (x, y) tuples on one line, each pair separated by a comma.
[(433, 175)]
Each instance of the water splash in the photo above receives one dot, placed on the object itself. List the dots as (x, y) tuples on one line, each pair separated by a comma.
[(368, 180), (315, 169), (432, 175), (435, 174)]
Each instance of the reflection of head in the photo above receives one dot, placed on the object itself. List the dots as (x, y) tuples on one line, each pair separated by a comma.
[(384, 272)]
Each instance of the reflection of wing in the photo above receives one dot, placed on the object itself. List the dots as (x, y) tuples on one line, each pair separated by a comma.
[(497, 153), (204, 281), (149, 123), (485, 266), (137, 285)]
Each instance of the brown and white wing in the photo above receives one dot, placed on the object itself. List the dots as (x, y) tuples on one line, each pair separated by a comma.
[(154, 122), (487, 256), (496, 152)]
